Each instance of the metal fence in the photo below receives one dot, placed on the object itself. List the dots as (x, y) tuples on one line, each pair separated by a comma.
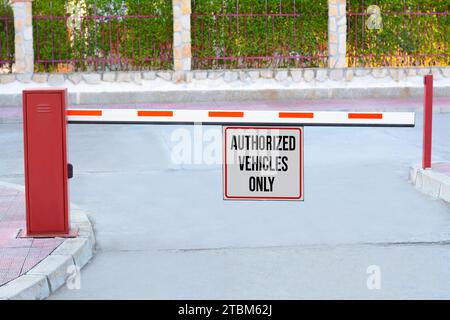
[(102, 35), (6, 38), (398, 33), (259, 33)]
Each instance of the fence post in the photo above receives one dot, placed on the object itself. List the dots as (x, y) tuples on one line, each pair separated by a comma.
[(337, 34), (427, 121), (23, 26), (182, 55)]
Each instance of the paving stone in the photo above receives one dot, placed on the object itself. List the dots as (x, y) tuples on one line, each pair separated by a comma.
[(75, 78), (36, 257), (123, 77), (230, 76), (349, 73), (281, 75), (56, 79), (188, 76), (253, 74), (362, 72), (136, 77), (411, 72), (165, 75), (336, 74), (78, 248), (7, 78), (40, 77), (149, 75), (423, 71), (24, 77), (85, 231), (379, 73), (413, 174), (430, 184), (436, 72), (321, 75), (26, 287), (109, 76), (297, 75), (446, 72), (444, 192), (55, 268), (91, 78), (308, 75), (266, 74), (215, 74), (397, 74), (243, 75), (200, 75)]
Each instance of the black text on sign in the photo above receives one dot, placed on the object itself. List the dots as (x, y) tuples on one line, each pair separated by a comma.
[(263, 163)]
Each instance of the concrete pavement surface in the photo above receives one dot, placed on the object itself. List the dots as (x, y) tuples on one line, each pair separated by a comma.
[(18, 255), (163, 230)]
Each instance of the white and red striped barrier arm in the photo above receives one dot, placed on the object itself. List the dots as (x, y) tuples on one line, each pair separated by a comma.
[(263, 117)]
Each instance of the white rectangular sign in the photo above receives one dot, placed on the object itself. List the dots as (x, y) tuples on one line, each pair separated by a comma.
[(263, 163)]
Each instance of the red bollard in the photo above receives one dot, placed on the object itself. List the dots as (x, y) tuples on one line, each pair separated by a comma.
[(427, 121), (46, 168)]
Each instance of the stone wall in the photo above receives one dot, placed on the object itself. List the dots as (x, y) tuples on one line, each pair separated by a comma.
[(347, 76)]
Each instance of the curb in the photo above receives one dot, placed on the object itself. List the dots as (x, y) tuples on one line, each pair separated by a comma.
[(56, 269), (434, 184)]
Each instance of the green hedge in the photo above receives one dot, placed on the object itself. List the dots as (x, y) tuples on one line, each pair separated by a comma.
[(404, 40), (403, 37), (126, 44), (6, 35), (301, 40)]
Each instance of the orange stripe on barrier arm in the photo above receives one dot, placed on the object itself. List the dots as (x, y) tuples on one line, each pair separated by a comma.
[(298, 115), (365, 116), (89, 113), (153, 113), (226, 114)]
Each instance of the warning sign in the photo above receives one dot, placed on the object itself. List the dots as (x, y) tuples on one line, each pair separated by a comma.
[(263, 163)]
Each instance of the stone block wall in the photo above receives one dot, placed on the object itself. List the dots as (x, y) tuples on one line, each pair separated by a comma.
[(313, 76)]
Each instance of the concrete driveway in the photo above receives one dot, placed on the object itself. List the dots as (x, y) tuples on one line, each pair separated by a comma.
[(163, 230)]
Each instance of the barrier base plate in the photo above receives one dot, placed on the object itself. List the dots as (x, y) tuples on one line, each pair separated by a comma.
[(73, 233)]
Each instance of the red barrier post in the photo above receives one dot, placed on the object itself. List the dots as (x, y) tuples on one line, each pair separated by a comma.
[(427, 121), (46, 168)]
